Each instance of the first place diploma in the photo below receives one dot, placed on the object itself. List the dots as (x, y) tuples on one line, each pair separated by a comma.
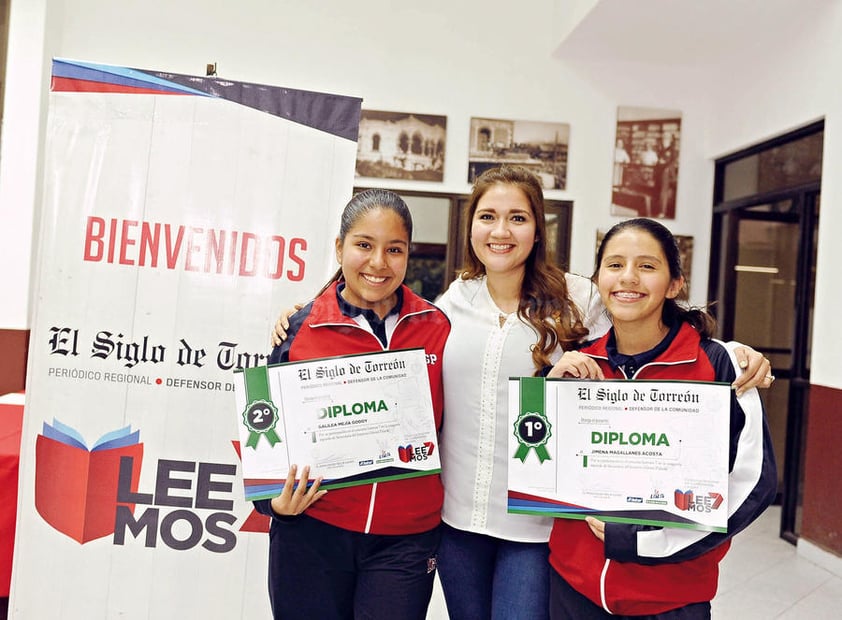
[(355, 420), (645, 452)]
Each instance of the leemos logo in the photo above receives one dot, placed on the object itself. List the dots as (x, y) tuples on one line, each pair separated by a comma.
[(409, 453), (687, 500), (89, 493)]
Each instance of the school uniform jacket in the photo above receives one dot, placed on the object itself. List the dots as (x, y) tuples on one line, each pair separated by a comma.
[(642, 570), (320, 329)]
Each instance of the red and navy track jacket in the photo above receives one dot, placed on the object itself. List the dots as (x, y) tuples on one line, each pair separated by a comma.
[(642, 570), (320, 329)]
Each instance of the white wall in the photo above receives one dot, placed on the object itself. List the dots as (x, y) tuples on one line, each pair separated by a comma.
[(783, 88), (739, 91), (439, 57), (472, 58), (666, 87), (19, 157)]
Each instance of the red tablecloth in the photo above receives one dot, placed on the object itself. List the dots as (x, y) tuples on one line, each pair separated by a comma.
[(11, 420)]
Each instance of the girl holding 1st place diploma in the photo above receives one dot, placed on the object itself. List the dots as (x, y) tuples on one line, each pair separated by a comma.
[(364, 551), (514, 312), (611, 570)]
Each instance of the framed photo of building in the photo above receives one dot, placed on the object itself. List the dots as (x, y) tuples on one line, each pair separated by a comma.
[(646, 149), (541, 147), (401, 145)]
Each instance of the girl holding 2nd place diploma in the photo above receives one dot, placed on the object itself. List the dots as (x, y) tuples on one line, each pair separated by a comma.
[(364, 551)]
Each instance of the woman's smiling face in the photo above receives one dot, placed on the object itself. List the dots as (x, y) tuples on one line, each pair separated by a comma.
[(503, 229)]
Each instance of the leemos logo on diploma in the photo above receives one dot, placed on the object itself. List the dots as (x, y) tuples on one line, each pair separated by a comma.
[(354, 420), (647, 452)]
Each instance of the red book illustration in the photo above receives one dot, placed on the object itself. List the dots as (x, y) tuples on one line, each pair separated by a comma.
[(76, 486), (683, 499)]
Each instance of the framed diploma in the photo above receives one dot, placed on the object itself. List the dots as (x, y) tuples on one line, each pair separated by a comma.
[(646, 452), (354, 420)]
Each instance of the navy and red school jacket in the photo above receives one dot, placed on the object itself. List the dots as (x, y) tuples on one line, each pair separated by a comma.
[(321, 329), (642, 570)]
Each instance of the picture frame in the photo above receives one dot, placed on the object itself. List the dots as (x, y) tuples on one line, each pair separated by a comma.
[(539, 146), (401, 145), (646, 155)]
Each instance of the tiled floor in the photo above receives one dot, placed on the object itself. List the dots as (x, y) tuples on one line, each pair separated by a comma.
[(761, 578)]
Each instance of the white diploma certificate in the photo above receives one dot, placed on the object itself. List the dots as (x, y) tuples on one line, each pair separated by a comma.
[(354, 420), (646, 452)]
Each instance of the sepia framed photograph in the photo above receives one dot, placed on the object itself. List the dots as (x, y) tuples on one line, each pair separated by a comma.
[(646, 147), (541, 147), (401, 145)]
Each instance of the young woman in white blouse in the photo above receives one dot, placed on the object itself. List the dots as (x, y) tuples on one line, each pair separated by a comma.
[(512, 312)]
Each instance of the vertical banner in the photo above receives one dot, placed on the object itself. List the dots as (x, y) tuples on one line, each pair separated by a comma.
[(180, 215)]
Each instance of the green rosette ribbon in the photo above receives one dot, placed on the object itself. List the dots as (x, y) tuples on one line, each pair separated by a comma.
[(532, 428), (261, 414)]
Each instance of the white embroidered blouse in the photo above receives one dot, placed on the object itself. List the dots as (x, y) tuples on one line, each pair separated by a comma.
[(482, 352)]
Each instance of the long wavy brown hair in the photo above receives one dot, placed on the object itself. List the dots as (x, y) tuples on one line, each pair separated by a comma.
[(544, 300)]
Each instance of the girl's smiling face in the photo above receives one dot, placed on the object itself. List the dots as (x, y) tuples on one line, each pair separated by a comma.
[(634, 279), (373, 257)]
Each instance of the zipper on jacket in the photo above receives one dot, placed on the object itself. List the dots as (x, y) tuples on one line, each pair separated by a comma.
[(661, 363), (602, 579), (371, 508)]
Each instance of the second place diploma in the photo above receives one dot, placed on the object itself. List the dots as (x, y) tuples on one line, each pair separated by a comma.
[(354, 420)]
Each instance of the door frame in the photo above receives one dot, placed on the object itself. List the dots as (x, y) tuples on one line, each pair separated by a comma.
[(722, 287)]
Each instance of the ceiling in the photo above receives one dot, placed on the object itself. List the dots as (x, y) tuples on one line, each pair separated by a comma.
[(687, 31)]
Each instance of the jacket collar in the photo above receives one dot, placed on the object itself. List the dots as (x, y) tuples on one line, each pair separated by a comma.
[(326, 308), (683, 348)]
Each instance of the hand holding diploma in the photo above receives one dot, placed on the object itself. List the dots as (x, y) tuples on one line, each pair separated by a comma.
[(645, 452), (354, 420), (576, 365), (293, 502), (597, 527)]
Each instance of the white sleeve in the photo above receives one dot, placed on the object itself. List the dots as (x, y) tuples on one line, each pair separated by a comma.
[(585, 295), (443, 302)]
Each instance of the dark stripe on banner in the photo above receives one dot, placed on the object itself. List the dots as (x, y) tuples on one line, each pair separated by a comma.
[(338, 115), (334, 114)]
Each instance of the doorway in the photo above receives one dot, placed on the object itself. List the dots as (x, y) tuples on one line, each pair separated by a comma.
[(762, 275)]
